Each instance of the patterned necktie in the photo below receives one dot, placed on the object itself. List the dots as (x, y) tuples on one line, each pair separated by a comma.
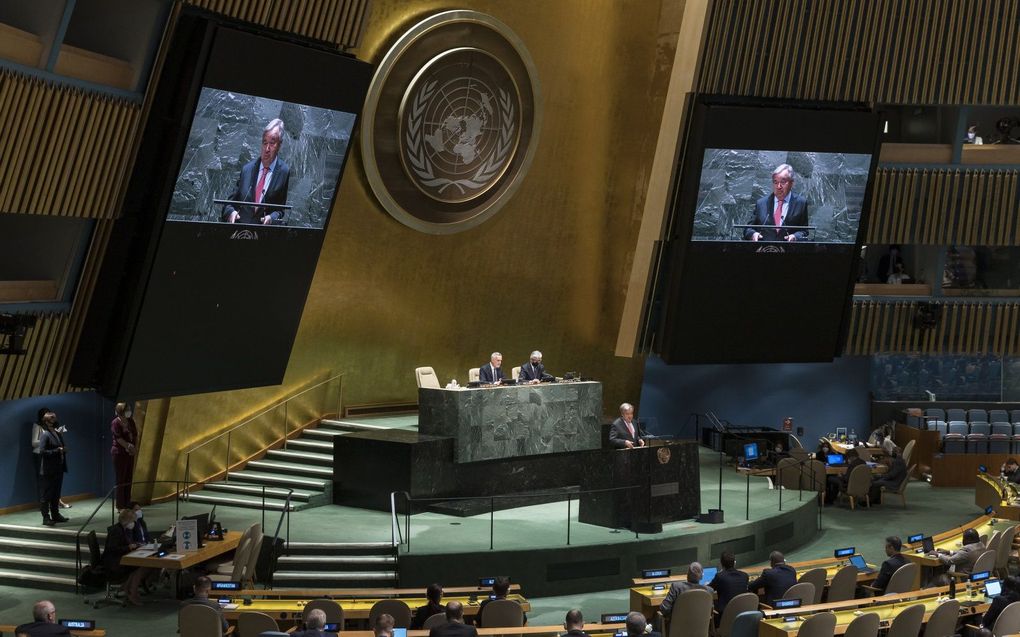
[(778, 216), (262, 183)]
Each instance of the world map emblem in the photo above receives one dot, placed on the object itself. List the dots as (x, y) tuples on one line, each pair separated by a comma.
[(459, 125), (451, 122)]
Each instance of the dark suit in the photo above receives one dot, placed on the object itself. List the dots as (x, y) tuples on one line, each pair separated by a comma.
[(489, 374), (775, 581), (888, 568), (764, 209), (118, 544), (205, 601), (453, 629), (140, 535), (52, 467), (575, 633), (894, 476), (276, 193), (727, 584), (999, 603), (42, 629), (619, 434), (424, 612), (533, 372)]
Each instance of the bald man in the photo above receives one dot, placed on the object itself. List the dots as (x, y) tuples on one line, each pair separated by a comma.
[(45, 624)]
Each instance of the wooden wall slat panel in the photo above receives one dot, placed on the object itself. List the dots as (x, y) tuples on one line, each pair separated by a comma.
[(338, 22), (970, 327)]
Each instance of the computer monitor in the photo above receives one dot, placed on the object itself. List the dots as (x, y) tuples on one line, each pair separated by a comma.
[(847, 552), (835, 459), (786, 603), (928, 544), (399, 632), (993, 587), (751, 451), (980, 576), (708, 575), (913, 539)]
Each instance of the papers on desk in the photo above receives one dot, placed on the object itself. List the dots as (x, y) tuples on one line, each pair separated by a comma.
[(141, 553), (175, 556)]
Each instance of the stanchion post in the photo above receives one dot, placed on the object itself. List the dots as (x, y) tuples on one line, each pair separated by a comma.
[(747, 503)]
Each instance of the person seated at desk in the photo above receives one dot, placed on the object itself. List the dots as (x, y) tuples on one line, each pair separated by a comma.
[(384, 625), (44, 614), (964, 558), (694, 574), (120, 540), (434, 595), (885, 443), (727, 583), (454, 626), (533, 371), (853, 460), (637, 626), (500, 588), (626, 432), (894, 476), (1010, 593), (141, 530), (823, 451), (492, 372), (314, 625), (775, 580), (777, 453), (895, 559), (201, 590), (574, 624), (1010, 471)]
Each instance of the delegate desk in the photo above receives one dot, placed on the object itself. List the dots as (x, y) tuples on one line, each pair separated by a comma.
[(866, 453), (992, 492), (887, 607), (354, 609), (770, 472), (646, 600), (178, 561), (96, 632), (489, 423), (372, 593), (595, 630), (952, 539)]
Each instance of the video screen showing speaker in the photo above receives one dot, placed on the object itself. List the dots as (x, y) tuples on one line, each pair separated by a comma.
[(225, 213), (767, 213)]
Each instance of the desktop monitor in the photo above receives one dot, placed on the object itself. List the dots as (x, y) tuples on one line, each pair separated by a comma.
[(781, 604), (751, 451), (834, 459), (847, 552), (708, 575)]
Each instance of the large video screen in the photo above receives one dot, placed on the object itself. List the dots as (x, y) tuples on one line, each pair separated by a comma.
[(769, 205), (260, 161)]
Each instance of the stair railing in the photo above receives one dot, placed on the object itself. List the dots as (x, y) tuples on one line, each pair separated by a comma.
[(285, 430)]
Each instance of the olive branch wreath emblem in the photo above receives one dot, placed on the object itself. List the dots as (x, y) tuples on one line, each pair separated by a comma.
[(418, 158)]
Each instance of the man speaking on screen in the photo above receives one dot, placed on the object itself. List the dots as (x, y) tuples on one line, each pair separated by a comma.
[(263, 181), (780, 209)]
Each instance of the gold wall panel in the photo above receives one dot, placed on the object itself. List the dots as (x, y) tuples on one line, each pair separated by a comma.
[(968, 327), (887, 51), (549, 272), (339, 22), (945, 206)]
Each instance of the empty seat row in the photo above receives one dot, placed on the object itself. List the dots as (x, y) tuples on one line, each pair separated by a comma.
[(975, 428), (972, 415)]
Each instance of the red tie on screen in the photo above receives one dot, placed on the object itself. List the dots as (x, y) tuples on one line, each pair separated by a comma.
[(262, 182), (778, 217)]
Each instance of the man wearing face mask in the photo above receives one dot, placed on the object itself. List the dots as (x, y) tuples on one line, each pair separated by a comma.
[(125, 446), (141, 530), (533, 372)]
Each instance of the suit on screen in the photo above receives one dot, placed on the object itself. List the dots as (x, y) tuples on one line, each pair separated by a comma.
[(796, 215), (619, 434), (276, 193), (489, 374)]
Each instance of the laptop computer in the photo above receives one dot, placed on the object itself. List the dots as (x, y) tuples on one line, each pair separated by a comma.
[(835, 460), (993, 588), (708, 575), (927, 545), (858, 562)]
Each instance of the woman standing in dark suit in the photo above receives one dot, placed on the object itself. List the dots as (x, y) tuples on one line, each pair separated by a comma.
[(125, 446), (52, 467)]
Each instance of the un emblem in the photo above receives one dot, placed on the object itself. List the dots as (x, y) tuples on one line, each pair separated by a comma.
[(450, 130)]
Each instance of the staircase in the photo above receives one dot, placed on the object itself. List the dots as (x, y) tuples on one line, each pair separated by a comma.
[(40, 556), (336, 565), (305, 465)]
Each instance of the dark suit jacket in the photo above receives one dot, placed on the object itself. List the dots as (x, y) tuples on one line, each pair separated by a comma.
[(276, 193), (453, 629), (486, 376), (999, 603), (575, 633), (727, 584), (424, 612), (796, 215), (894, 476), (775, 581), (619, 434), (140, 534), (888, 568), (51, 460), (533, 372), (118, 544), (42, 629)]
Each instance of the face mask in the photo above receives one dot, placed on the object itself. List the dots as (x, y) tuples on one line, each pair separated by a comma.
[(128, 414), (130, 526), (138, 515)]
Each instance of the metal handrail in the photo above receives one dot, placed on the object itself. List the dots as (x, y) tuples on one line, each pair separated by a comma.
[(229, 432)]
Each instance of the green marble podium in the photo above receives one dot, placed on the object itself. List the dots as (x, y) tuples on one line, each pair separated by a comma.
[(489, 423)]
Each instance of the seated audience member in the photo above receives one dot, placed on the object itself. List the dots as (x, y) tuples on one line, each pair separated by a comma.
[(637, 626), (727, 583), (574, 624), (120, 541), (201, 589), (853, 460), (895, 559), (434, 595), (44, 614), (1010, 593), (141, 530), (500, 588), (893, 477), (775, 579), (454, 626), (384, 624), (314, 625), (823, 451), (885, 443), (1011, 470), (694, 575), (964, 558)]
